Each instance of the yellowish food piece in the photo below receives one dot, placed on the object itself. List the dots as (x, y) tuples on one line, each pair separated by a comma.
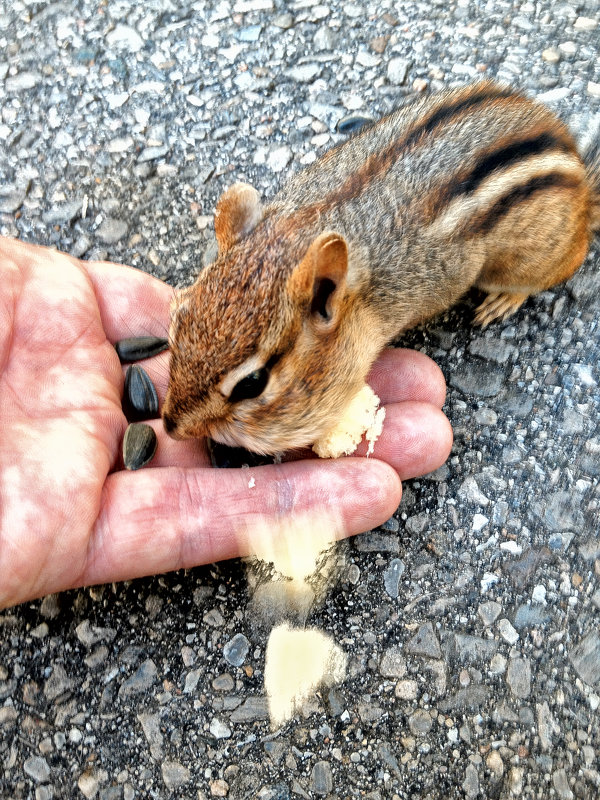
[(298, 661), (296, 547), (362, 416)]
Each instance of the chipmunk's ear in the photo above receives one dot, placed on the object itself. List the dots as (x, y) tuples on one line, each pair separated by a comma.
[(238, 212), (320, 277)]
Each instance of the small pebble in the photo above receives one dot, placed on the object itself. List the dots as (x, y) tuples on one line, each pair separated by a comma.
[(379, 43), (136, 348), (479, 522), (11, 201), (151, 726), (561, 785), (139, 445), (551, 55), (236, 650), (585, 657), (305, 73), (366, 59), (88, 784), (489, 611), (420, 722), (141, 680), (37, 768), (321, 778), (22, 81), (508, 633), (122, 37), (152, 153), (110, 231), (393, 663), (279, 158), (593, 88), (585, 24), (538, 595), (219, 728), (424, 642), (406, 690), (223, 683), (324, 39), (471, 782), (174, 774), (518, 677), (283, 21), (397, 70), (219, 788), (498, 664), (392, 575)]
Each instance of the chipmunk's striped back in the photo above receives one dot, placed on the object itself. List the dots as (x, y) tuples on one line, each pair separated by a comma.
[(471, 165), (442, 149)]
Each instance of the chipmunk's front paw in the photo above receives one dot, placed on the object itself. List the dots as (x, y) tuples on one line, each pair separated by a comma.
[(498, 305)]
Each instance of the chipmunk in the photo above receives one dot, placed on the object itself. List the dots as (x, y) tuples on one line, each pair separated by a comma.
[(478, 186)]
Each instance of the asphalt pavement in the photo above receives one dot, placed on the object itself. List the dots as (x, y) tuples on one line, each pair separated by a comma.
[(470, 618)]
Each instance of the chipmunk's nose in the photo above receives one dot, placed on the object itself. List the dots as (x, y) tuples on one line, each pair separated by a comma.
[(170, 424)]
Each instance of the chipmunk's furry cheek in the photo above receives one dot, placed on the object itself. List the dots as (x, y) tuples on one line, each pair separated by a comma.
[(179, 311), (266, 439)]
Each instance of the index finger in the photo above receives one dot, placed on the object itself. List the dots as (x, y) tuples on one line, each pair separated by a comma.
[(131, 303), (401, 374), (186, 517)]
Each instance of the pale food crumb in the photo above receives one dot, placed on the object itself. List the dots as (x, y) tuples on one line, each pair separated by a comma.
[(298, 661), (363, 416)]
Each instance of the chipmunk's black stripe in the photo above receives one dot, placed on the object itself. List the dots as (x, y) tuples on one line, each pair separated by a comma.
[(484, 223), (380, 163), (501, 159), (468, 182), (446, 112)]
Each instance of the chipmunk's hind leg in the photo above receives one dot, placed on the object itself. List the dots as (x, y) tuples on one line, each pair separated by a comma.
[(534, 236), (498, 305), (527, 258)]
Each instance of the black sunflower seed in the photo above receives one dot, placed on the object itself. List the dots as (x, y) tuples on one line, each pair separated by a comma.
[(225, 457), (352, 123), (140, 400), (139, 445), (138, 347)]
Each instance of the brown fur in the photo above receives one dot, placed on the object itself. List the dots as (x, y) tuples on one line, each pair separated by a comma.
[(476, 186)]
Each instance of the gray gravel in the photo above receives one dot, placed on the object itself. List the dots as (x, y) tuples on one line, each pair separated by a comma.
[(471, 617)]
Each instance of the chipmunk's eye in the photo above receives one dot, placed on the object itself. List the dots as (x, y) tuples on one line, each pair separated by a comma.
[(251, 386), (255, 383)]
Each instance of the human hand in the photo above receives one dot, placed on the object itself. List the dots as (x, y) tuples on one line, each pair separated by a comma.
[(70, 515)]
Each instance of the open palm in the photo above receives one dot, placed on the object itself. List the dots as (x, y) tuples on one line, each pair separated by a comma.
[(71, 515)]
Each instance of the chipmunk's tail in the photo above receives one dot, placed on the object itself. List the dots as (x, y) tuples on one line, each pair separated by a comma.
[(591, 158)]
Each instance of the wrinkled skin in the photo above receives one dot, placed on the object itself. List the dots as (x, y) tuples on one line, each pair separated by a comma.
[(70, 515)]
